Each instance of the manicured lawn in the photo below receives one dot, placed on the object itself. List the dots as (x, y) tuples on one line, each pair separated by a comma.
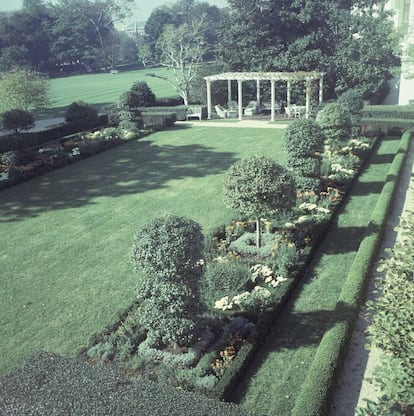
[(100, 89), (66, 236), (279, 369)]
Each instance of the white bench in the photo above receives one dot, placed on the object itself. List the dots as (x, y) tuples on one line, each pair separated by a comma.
[(194, 112)]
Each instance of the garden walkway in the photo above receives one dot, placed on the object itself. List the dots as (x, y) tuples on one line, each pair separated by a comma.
[(289, 349)]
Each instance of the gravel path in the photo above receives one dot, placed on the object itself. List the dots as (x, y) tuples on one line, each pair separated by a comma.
[(353, 387)]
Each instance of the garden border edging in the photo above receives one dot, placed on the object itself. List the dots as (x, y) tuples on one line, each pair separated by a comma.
[(319, 383)]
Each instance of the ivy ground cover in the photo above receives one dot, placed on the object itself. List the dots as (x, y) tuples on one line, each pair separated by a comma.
[(275, 378), (66, 236)]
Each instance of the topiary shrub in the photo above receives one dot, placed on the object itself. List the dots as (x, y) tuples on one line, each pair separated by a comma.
[(167, 250), (353, 102), (168, 246), (304, 143), (258, 187), (16, 120), (81, 115), (336, 124)]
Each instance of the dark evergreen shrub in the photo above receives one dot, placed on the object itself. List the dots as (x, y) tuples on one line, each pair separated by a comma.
[(81, 115), (143, 93), (16, 120)]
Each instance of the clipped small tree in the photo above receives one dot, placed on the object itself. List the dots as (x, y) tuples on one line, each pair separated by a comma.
[(336, 124), (258, 187), (304, 143), (352, 100), (81, 115), (16, 120), (166, 249)]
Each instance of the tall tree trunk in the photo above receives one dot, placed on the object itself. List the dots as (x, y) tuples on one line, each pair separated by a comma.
[(258, 233)]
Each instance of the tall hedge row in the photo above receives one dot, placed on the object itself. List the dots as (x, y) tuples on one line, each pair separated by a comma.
[(319, 384)]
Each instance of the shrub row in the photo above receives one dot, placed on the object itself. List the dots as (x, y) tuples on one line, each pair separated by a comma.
[(26, 140), (180, 110), (158, 120), (386, 125), (319, 384), (51, 385), (389, 111)]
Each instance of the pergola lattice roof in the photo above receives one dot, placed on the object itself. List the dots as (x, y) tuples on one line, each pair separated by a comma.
[(266, 76)]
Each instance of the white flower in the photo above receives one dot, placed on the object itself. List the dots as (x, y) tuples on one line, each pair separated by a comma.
[(223, 304), (308, 206), (262, 291), (268, 279), (242, 297), (281, 279), (323, 210)]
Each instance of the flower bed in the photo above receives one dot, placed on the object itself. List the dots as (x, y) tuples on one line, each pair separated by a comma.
[(243, 292), (18, 166)]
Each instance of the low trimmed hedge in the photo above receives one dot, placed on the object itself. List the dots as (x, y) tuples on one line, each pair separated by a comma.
[(25, 140), (180, 110), (320, 380), (48, 384), (387, 124), (389, 111), (158, 120)]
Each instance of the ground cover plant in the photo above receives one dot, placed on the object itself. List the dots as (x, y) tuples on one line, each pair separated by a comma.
[(69, 232), (296, 334)]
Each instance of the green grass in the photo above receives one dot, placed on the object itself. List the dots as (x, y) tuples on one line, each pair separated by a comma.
[(66, 236), (100, 89), (279, 369)]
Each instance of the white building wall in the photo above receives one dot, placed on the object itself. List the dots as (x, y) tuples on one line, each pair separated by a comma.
[(406, 95)]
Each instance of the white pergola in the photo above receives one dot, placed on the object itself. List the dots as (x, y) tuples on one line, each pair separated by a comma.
[(273, 77)]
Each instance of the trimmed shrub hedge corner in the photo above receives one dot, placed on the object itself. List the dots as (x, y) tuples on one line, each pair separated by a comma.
[(48, 384), (319, 384)]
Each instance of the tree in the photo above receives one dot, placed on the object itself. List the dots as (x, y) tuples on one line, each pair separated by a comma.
[(302, 35), (182, 50), (258, 187), (167, 249), (12, 57), (24, 89), (16, 120), (84, 31), (27, 32)]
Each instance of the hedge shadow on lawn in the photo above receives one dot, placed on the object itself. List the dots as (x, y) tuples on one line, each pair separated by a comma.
[(133, 168), (300, 330)]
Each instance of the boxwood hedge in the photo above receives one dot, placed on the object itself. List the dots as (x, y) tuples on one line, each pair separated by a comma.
[(319, 384)]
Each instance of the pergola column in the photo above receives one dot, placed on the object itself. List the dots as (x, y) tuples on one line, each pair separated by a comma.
[(258, 91), (272, 100), (240, 97), (228, 91), (321, 89), (308, 97), (288, 94), (208, 99)]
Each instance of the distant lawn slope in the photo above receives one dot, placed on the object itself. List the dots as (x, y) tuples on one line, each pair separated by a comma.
[(66, 236), (100, 89)]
